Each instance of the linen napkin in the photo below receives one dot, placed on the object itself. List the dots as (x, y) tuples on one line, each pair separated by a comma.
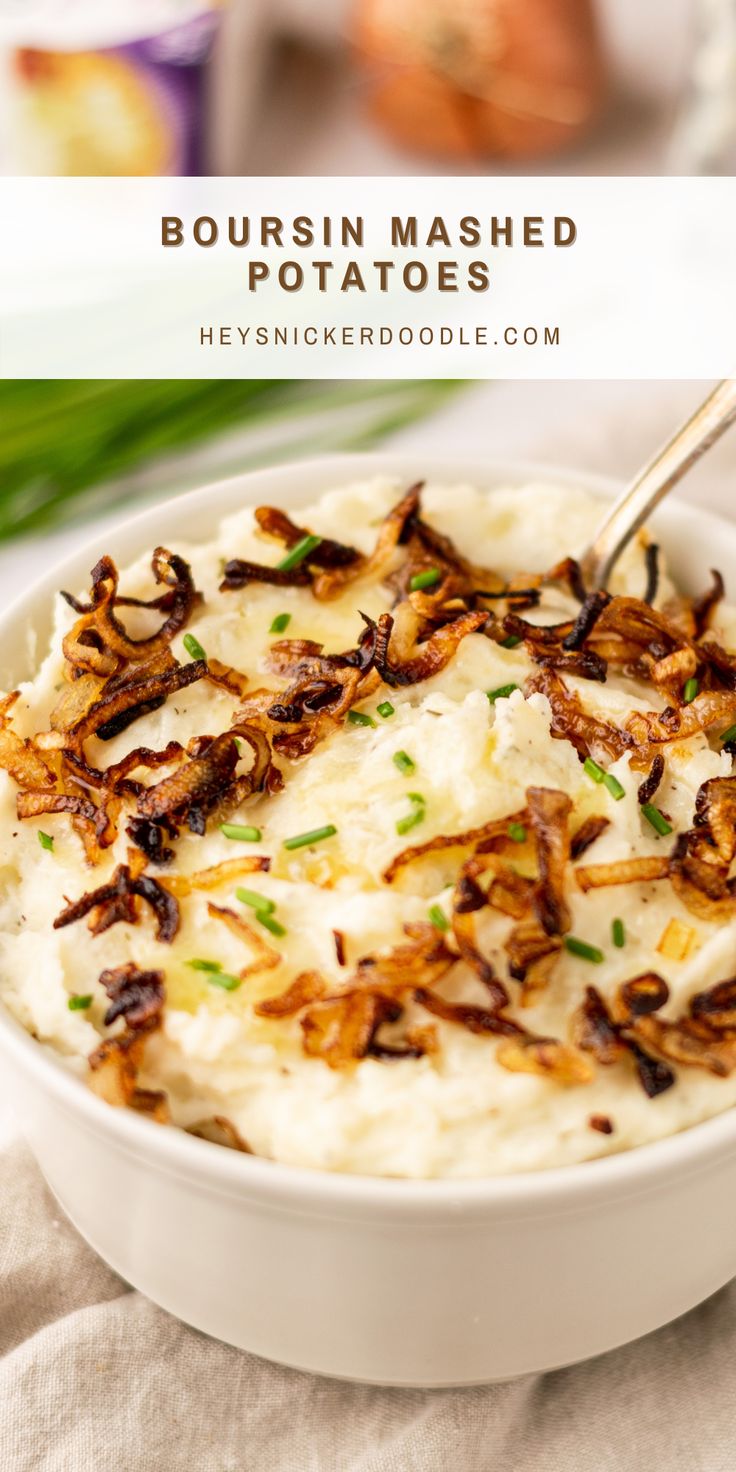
[(93, 1376)]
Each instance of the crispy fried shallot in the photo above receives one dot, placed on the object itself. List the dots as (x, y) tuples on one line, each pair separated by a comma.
[(483, 838), (651, 560), (193, 788), (595, 1031), (114, 1068), (220, 1131), (475, 1019), (532, 954), (649, 787), (307, 987), (135, 995), (265, 957), (115, 901), (340, 1030), (432, 656), (709, 708), (549, 814), (217, 874), (588, 734), (276, 524), (99, 643), (24, 763), (547, 1057), (585, 836), (111, 707), (644, 870)]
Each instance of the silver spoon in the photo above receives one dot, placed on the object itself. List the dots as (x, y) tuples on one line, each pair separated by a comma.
[(654, 482)]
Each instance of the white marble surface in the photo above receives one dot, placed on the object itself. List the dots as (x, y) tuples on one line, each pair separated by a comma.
[(602, 427)]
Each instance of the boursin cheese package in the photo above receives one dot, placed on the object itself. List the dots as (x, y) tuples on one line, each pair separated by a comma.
[(105, 89)]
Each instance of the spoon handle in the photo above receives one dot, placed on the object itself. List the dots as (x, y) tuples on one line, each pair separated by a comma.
[(653, 483)]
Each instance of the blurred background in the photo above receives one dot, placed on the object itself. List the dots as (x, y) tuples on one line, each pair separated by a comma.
[(75, 457), (367, 86)]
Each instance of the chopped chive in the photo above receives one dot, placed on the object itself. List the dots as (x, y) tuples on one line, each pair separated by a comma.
[(426, 579), (385, 709), (657, 819), (259, 902), (592, 770), (315, 835), (79, 1004), (614, 786), (297, 554), (403, 761), (281, 622), (46, 841), (501, 693), (583, 950), (517, 831), (243, 831), (405, 825), (512, 642), (268, 921), (690, 691), (438, 917), (417, 797), (199, 965), (618, 934), (193, 647), (360, 718), (225, 980), (728, 736)]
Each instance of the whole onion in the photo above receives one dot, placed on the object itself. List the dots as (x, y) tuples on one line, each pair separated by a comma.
[(468, 78)]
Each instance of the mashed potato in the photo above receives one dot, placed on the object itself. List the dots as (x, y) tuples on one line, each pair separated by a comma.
[(454, 1110)]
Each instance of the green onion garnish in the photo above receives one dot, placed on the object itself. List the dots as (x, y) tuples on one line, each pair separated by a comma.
[(583, 950), (193, 647), (417, 797), (592, 770), (438, 917), (244, 832), (225, 980), (618, 934), (501, 693), (657, 819), (403, 761), (690, 691), (45, 840), (614, 786), (297, 554), (512, 641), (259, 902), (215, 974), (517, 831), (385, 709), (426, 579), (360, 718), (728, 736), (405, 825), (79, 1004), (315, 835), (270, 923), (281, 622)]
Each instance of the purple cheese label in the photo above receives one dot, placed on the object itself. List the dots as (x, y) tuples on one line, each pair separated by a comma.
[(135, 107), (174, 64)]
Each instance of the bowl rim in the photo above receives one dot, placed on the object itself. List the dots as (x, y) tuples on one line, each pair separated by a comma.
[(638, 1168)]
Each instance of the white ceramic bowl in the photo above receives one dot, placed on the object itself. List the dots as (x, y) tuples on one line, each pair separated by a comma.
[(397, 1282)]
